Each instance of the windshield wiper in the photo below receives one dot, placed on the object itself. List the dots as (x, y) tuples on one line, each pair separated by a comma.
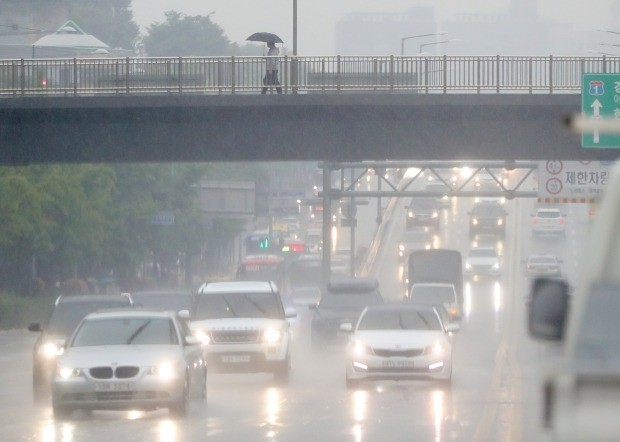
[(428, 326), (232, 310), (135, 334), (255, 304)]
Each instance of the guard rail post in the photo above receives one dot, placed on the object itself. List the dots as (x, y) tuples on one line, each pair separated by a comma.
[(180, 75), (75, 77), (551, 74), (127, 75), (445, 74), (392, 73), (497, 73), (232, 72), (337, 77)]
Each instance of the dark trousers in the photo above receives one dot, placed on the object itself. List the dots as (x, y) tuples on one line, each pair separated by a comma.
[(271, 79)]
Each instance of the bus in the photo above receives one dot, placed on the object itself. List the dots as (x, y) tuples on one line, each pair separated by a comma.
[(265, 267)]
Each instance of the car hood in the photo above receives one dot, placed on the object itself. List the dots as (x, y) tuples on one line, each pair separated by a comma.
[(398, 339), (236, 324), (105, 355)]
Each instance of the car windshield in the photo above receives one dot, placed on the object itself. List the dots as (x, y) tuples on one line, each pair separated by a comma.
[(542, 260), (125, 331), (433, 294), (423, 204), (238, 305), (400, 320), (344, 301), (487, 210), (482, 253), (168, 301), (548, 214), (67, 315)]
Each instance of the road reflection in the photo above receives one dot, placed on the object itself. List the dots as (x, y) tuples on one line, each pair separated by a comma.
[(167, 431), (273, 401), (360, 404), (58, 433), (438, 402)]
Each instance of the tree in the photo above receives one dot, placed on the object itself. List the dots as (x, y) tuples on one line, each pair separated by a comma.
[(182, 35), (111, 21)]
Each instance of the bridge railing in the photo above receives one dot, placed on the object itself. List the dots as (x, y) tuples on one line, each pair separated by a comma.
[(316, 74)]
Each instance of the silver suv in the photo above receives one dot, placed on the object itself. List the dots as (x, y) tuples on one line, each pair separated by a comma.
[(244, 326), (549, 221)]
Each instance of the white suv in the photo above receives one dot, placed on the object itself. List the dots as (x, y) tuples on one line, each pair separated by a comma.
[(549, 220), (244, 326)]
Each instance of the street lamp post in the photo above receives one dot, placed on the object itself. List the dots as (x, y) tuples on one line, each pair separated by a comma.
[(295, 27), (423, 45), (402, 40)]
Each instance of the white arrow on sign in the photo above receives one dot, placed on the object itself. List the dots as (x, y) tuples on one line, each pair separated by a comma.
[(596, 105)]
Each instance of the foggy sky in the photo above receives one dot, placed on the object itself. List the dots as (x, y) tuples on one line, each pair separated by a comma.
[(317, 18)]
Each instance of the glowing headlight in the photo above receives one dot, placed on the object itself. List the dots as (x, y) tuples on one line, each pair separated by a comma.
[(500, 222), (435, 214), (359, 348), (271, 335), (474, 221), (496, 266), (202, 337), (165, 370), (67, 372), (410, 214), (437, 348), (401, 247), (50, 350), (468, 266)]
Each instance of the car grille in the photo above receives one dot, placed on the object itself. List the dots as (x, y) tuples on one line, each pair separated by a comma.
[(123, 372), (234, 336), (101, 372), (387, 353), (126, 372), (116, 396)]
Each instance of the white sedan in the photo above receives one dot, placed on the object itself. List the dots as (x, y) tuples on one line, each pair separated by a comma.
[(129, 359), (399, 341)]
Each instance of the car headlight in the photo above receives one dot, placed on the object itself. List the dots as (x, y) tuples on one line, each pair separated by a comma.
[(500, 222), (203, 337), (50, 350), (468, 266), (438, 348), (496, 266), (67, 372), (165, 371), (474, 221), (401, 247), (272, 335), (359, 348), (410, 214), (435, 214)]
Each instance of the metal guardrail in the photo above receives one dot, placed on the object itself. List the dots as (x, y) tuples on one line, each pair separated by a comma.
[(318, 74)]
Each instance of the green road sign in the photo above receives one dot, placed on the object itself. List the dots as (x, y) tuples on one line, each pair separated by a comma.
[(600, 98)]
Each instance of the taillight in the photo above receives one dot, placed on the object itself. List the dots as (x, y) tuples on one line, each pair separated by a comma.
[(535, 220)]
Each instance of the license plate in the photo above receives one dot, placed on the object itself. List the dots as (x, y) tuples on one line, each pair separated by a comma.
[(114, 386), (236, 359), (397, 364)]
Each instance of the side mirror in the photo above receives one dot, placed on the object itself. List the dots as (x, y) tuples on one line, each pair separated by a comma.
[(184, 315), (35, 327), (346, 327), (452, 327), (290, 312), (192, 340), (548, 309)]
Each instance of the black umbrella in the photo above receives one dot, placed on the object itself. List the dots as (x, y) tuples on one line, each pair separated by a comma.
[(266, 37)]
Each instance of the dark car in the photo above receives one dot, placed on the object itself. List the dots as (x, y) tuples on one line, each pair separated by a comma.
[(341, 302), (423, 212), (487, 218), (66, 314), (175, 300)]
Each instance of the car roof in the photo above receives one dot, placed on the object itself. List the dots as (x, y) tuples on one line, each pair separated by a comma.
[(402, 305), (67, 299), (131, 313), (238, 286), (348, 284), (172, 292)]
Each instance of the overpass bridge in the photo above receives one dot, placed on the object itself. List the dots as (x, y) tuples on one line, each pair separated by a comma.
[(333, 109)]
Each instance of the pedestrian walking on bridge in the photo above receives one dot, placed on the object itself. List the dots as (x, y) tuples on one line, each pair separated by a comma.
[(271, 76)]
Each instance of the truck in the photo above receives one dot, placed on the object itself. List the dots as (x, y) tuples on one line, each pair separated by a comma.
[(581, 386), (436, 265)]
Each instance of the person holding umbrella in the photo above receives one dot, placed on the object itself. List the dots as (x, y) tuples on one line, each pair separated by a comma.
[(271, 76)]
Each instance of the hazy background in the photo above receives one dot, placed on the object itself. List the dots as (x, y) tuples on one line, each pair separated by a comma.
[(377, 26)]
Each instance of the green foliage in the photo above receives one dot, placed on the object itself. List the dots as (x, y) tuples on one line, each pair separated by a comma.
[(182, 35), (111, 21)]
